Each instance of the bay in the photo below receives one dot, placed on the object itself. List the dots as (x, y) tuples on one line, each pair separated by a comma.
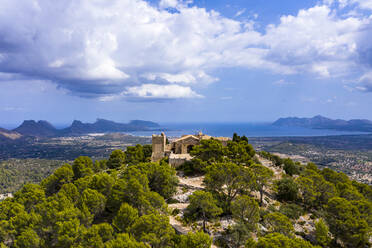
[(247, 129)]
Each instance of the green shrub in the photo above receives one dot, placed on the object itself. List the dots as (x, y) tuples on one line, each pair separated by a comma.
[(292, 211)]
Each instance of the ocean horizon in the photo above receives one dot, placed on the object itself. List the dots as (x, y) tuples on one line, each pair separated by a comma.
[(227, 129), (247, 129)]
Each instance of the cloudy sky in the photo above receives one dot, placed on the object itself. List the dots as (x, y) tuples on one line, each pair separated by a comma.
[(184, 60)]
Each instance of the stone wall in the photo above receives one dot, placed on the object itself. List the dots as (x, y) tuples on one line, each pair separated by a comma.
[(158, 147), (176, 160)]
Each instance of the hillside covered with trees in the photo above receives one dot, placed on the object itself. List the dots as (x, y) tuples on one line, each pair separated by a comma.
[(14, 173), (245, 200)]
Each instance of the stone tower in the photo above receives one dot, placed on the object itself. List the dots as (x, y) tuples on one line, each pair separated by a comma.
[(158, 147)]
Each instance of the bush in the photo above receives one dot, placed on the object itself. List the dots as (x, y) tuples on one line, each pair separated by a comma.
[(188, 168), (287, 189), (292, 211), (277, 222), (290, 167)]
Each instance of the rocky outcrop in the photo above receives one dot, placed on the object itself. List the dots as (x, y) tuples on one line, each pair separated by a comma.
[(33, 128)]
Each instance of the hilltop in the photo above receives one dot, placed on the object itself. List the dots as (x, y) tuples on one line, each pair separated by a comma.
[(33, 128), (226, 196), (321, 122)]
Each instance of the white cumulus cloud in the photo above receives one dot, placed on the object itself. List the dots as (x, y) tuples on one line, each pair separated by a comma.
[(104, 48), (163, 91)]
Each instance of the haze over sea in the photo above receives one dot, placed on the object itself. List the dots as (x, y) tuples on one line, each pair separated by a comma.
[(247, 129)]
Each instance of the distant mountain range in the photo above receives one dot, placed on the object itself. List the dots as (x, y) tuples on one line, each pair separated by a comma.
[(321, 122), (103, 126), (45, 129)]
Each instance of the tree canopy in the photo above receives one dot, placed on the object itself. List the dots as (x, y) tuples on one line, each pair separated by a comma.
[(122, 202)]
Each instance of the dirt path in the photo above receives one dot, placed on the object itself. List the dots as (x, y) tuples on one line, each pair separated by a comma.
[(181, 229), (277, 171), (189, 184), (192, 182), (180, 206)]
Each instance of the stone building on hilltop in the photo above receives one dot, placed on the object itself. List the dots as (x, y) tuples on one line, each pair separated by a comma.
[(178, 150)]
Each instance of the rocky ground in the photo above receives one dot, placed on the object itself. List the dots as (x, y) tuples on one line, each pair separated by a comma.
[(187, 185)]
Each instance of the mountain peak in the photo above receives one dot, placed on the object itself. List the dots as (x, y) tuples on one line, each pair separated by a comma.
[(77, 122), (33, 128), (100, 120), (143, 123), (320, 117), (28, 122)]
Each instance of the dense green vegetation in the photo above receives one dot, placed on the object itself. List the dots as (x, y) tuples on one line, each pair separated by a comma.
[(350, 154), (14, 173), (68, 148), (115, 203), (122, 202)]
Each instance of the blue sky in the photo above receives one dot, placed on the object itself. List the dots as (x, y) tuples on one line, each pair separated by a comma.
[(183, 60)]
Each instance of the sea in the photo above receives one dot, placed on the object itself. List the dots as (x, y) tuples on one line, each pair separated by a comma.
[(247, 129)]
